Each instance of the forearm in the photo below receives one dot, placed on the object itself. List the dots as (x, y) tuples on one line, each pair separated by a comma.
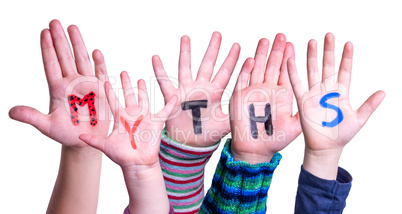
[(145, 186), (183, 170), (77, 186), (238, 186)]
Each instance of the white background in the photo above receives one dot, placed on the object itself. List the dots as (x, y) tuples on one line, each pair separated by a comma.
[(130, 33)]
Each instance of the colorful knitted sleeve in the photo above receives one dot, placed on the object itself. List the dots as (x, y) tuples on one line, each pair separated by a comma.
[(183, 171), (239, 187)]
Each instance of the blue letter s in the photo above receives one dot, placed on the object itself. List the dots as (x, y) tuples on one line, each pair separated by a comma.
[(323, 103)]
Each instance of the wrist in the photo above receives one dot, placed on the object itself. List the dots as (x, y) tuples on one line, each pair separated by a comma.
[(249, 157), (82, 153), (141, 172), (145, 185), (322, 163), (187, 136), (180, 136)]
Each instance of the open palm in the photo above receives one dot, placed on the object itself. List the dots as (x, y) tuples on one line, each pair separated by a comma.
[(214, 123), (268, 85), (118, 146), (68, 75), (314, 116)]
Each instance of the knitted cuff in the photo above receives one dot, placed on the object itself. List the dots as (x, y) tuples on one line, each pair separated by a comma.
[(183, 171), (239, 187)]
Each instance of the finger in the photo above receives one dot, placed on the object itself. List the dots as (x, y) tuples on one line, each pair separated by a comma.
[(128, 91), (100, 66), (94, 141), (185, 60), (275, 59), (257, 75), (167, 110), (368, 107), (81, 56), (113, 101), (313, 74), (284, 76), (31, 116), (345, 69), (328, 66), (297, 86), (225, 72), (142, 94), (209, 60), (63, 49), (49, 57), (161, 76), (242, 80)]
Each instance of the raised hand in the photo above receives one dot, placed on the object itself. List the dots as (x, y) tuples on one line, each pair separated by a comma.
[(134, 145), (197, 119), (328, 121), (69, 75), (261, 116), (143, 147), (77, 187)]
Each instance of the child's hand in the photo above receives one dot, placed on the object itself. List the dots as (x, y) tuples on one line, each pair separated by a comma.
[(328, 121), (142, 147), (257, 138), (213, 123), (68, 75), (134, 145)]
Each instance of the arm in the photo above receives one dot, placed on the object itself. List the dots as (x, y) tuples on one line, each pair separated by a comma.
[(328, 124), (134, 146), (77, 185), (197, 123), (247, 163)]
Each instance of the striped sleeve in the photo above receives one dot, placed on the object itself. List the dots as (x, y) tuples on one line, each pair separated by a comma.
[(183, 171), (239, 187)]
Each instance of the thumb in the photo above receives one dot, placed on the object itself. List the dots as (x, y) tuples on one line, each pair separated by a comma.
[(94, 141), (31, 116), (368, 107), (167, 110)]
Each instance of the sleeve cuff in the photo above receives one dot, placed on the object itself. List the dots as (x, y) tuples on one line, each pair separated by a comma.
[(183, 172), (239, 186), (253, 168), (318, 195), (340, 186)]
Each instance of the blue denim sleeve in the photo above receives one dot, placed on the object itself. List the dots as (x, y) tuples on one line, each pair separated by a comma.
[(319, 196)]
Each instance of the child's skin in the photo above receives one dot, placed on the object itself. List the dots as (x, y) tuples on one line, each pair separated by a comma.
[(269, 83), (215, 123), (324, 145), (140, 166), (77, 186)]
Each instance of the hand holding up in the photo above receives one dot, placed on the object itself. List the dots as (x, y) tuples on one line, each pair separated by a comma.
[(134, 146), (261, 110), (328, 121), (208, 124)]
